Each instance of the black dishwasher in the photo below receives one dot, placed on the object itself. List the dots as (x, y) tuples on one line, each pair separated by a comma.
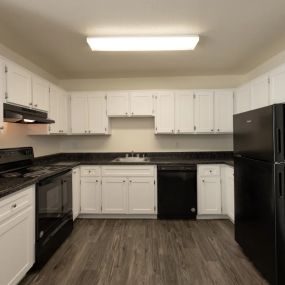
[(177, 192)]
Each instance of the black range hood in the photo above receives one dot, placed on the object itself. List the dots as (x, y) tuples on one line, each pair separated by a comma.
[(22, 115)]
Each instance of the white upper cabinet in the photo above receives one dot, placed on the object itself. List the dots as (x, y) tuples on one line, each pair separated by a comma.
[(223, 109), (98, 120), (260, 92), (242, 100), (58, 110), (88, 113), (118, 104), (79, 113), (141, 103), (164, 112), (204, 111), (18, 85), (40, 93), (277, 85), (184, 111), (2, 92)]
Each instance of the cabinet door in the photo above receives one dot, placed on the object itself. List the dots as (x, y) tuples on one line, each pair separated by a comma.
[(164, 113), (40, 93), (18, 85), (118, 104), (242, 99), (79, 113), (141, 103), (90, 195), (54, 110), (63, 111), (277, 85), (224, 106), (114, 195), (209, 195), (76, 192), (230, 197), (141, 195), (184, 112), (98, 120), (260, 92), (2, 92), (204, 111), (17, 246)]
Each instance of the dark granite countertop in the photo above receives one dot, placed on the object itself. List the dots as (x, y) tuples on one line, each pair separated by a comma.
[(71, 160)]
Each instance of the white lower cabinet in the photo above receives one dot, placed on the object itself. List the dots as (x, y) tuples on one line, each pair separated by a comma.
[(90, 195), (209, 195), (142, 195), (114, 195), (17, 235), (114, 189), (76, 192), (216, 191)]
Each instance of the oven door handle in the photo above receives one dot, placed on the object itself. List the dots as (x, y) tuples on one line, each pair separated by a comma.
[(53, 178)]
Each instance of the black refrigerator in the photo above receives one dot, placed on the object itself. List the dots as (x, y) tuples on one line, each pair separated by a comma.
[(259, 189)]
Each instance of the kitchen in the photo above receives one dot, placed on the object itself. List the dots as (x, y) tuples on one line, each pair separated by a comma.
[(137, 162)]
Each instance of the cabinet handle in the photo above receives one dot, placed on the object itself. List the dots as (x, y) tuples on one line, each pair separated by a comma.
[(178, 131), (97, 181), (132, 113), (212, 130), (126, 114), (218, 130), (130, 181), (36, 105), (14, 206), (203, 180), (1, 128), (124, 181), (31, 104)]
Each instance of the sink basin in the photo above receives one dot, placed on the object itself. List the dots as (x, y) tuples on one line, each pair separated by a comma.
[(131, 159)]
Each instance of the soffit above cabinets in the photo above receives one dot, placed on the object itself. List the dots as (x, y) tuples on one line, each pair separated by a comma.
[(235, 35)]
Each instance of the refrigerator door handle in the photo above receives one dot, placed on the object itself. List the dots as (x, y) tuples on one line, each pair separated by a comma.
[(279, 141), (281, 183)]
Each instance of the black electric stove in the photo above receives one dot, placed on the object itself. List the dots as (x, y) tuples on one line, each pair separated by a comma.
[(32, 171), (53, 196)]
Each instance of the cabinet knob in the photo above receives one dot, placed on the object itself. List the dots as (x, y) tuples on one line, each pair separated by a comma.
[(203, 180), (97, 181), (36, 105), (89, 132), (132, 113), (212, 130), (1, 128), (31, 104), (124, 181), (126, 113), (218, 130), (14, 206), (130, 181)]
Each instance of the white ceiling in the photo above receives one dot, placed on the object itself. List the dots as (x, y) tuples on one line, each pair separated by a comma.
[(236, 35)]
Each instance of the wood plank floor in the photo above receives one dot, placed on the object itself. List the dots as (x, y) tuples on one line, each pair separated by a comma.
[(151, 252)]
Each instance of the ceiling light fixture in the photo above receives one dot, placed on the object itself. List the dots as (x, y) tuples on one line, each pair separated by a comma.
[(143, 43)]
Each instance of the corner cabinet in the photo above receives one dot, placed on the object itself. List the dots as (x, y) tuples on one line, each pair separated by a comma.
[(242, 99), (17, 235), (58, 110), (40, 93)]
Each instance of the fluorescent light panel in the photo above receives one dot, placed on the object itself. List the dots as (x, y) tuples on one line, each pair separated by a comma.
[(142, 43)]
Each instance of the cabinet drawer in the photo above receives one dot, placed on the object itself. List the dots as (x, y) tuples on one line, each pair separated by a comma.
[(209, 170), (126, 171), (16, 202), (90, 171)]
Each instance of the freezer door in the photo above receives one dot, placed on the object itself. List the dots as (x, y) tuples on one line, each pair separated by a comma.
[(255, 213), (253, 134)]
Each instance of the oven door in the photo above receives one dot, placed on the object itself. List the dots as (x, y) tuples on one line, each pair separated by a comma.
[(49, 204), (67, 193)]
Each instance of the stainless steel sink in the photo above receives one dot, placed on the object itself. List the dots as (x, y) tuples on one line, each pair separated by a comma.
[(131, 159)]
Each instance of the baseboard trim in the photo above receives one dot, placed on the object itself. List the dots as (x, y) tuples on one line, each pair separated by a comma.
[(118, 216), (212, 217)]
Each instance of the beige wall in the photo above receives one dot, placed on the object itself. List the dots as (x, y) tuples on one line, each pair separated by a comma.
[(16, 135), (137, 134), (174, 82)]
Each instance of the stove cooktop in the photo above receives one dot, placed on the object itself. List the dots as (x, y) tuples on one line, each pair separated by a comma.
[(32, 172)]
